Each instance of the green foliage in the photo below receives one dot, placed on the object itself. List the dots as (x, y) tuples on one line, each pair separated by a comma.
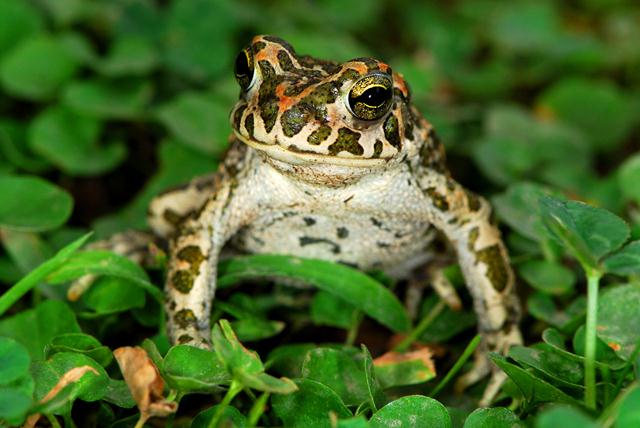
[(69, 141), (32, 204), (198, 120), (585, 104), (534, 389), (105, 104), (411, 411), (587, 232), (548, 277), (16, 384), (34, 328), (82, 344), (410, 371), (618, 309), (190, 369), (338, 370), (568, 416), (497, 417), (114, 266), (92, 386), (629, 410), (37, 68), (310, 405), (346, 283)]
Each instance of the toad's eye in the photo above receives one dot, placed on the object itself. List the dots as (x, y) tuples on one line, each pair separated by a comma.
[(243, 68), (370, 97)]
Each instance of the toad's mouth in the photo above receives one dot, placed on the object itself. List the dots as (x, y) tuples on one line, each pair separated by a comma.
[(296, 156)]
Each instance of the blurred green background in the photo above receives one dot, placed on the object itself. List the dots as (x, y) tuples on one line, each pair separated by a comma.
[(114, 100), (105, 103)]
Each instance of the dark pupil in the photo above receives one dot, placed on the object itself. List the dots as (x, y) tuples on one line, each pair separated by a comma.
[(375, 96), (242, 65)]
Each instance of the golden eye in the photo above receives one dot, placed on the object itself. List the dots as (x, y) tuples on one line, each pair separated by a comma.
[(243, 68), (370, 97)]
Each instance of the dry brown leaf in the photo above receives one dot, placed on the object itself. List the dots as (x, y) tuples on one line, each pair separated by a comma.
[(424, 354), (69, 377), (544, 113), (144, 381), (79, 287)]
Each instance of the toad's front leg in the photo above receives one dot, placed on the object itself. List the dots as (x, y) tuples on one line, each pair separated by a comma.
[(192, 266), (465, 220)]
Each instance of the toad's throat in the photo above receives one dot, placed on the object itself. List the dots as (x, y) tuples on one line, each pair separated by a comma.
[(295, 156)]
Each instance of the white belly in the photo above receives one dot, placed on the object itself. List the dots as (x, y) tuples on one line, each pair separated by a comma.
[(368, 243), (373, 223)]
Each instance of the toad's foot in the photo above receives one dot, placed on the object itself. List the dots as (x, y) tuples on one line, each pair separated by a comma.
[(436, 278), (140, 247), (500, 342)]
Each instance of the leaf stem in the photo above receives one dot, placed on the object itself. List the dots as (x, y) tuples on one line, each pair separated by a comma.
[(352, 333), (548, 251), (233, 390), (141, 420), (173, 396), (68, 420), (605, 375), (422, 326), (593, 280), (257, 409), (37, 275), (468, 351), (610, 413), (53, 421)]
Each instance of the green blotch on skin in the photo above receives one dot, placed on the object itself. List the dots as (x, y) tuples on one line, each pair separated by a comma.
[(294, 119), (377, 149), (313, 104), (497, 270), (182, 281), (309, 62), (325, 93), (193, 255), (267, 99), (258, 46), (237, 116), (432, 153), (285, 61), (391, 131), (171, 217), (451, 184), (185, 338), (473, 237), (269, 114), (319, 135), (473, 201), (372, 64), (184, 318), (439, 200), (347, 141), (348, 74), (407, 120), (248, 124)]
